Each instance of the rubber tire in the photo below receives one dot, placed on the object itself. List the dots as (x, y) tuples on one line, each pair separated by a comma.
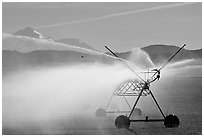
[(171, 121), (100, 112), (122, 122)]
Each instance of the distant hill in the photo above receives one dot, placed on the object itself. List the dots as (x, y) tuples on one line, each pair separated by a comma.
[(27, 49), (21, 52), (75, 42), (25, 44), (161, 53), (158, 54), (14, 60), (137, 56), (30, 32)]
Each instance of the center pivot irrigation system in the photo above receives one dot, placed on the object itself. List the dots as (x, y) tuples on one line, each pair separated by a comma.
[(137, 88)]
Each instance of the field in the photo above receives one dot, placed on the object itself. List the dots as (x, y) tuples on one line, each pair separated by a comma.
[(177, 92)]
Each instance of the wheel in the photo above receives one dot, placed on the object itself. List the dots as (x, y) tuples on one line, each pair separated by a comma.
[(122, 122), (171, 121), (137, 112), (100, 112)]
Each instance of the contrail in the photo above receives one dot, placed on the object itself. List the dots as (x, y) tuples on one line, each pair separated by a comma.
[(117, 14)]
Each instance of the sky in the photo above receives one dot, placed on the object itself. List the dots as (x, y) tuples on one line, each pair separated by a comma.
[(120, 25)]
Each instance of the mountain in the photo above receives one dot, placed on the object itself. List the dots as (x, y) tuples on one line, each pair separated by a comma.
[(154, 55), (75, 42), (161, 53), (13, 61), (21, 52), (137, 56), (30, 32), (26, 44)]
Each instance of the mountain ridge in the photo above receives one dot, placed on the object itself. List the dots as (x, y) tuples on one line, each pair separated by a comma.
[(75, 42), (19, 51), (160, 53), (32, 33)]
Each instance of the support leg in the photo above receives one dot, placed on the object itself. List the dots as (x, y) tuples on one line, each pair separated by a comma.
[(109, 101), (127, 102), (156, 103), (135, 103)]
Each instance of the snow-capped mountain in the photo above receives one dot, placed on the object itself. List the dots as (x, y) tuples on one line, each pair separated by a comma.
[(31, 33), (25, 44)]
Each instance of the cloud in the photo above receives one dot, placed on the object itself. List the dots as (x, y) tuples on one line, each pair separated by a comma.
[(117, 15)]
